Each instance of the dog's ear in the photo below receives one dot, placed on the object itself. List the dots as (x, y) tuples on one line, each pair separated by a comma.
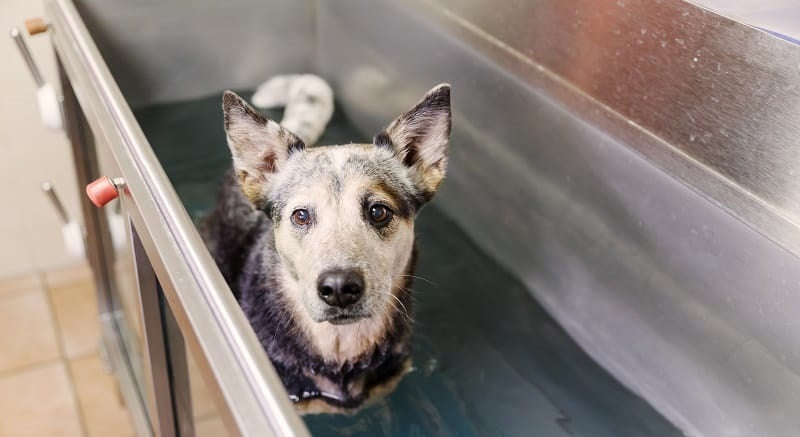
[(419, 138), (259, 146)]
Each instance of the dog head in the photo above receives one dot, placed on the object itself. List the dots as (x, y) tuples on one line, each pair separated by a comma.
[(343, 216)]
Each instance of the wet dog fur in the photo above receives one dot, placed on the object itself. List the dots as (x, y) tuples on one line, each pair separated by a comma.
[(287, 216)]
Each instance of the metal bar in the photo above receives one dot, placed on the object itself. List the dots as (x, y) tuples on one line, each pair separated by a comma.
[(16, 35), (208, 315), (159, 388), (180, 390), (50, 191)]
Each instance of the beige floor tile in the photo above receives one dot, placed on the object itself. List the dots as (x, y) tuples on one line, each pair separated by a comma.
[(75, 306), (27, 334), (20, 284), (38, 402), (103, 413), (210, 427), (78, 272)]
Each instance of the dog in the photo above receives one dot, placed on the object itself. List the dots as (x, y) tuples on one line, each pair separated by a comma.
[(318, 246)]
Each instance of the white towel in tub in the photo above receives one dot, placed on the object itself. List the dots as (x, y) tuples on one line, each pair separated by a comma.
[(308, 100)]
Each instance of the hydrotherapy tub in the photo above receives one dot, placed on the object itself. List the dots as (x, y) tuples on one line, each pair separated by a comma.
[(626, 166), (484, 350)]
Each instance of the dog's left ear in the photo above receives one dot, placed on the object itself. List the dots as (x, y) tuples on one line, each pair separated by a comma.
[(259, 146), (419, 138)]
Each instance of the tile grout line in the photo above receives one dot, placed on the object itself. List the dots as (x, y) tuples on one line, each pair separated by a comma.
[(38, 365), (15, 293), (63, 354), (84, 355)]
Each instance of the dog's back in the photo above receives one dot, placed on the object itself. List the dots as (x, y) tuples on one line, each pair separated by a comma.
[(233, 231)]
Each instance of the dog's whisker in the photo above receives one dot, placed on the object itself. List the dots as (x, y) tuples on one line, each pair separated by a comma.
[(417, 277), (403, 312), (402, 309), (411, 291), (390, 294), (387, 316), (285, 318)]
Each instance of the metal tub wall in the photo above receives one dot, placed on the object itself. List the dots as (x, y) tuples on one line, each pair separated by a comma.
[(162, 51), (693, 309), (670, 260)]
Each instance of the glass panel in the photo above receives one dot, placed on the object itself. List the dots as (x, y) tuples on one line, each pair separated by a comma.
[(207, 421)]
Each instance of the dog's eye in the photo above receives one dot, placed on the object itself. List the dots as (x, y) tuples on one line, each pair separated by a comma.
[(301, 217), (379, 214)]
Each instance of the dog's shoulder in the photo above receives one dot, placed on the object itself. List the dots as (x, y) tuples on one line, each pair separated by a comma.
[(234, 230)]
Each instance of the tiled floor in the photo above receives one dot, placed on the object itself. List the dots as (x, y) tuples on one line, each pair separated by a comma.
[(52, 380)]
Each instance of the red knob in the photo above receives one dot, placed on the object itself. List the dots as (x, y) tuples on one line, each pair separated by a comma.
[(102, 191)]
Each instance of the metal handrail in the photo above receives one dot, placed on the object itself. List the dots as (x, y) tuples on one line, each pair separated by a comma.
[(252, 395)]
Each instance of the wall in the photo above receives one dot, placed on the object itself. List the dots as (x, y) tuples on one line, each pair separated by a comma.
[(159, 51), (781, 16), (30, 235)]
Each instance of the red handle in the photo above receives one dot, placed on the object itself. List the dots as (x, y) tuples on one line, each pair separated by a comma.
[(102, 191)]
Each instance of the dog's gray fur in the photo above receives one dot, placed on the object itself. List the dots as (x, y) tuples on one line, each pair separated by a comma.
[(272, 263)]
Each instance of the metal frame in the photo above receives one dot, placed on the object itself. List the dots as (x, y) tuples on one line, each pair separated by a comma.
[(236, 370), (99, 253), (158, 367)]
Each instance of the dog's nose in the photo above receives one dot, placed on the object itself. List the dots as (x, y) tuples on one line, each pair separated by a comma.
[(340, 288)]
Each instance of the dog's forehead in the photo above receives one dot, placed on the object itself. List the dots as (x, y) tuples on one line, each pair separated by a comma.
[(351, 160), (337, 167)]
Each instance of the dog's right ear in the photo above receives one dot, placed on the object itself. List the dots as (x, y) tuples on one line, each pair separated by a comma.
[(259, 146), (419, 138)]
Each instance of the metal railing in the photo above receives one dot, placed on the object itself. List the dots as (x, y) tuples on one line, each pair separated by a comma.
[(208, 316)]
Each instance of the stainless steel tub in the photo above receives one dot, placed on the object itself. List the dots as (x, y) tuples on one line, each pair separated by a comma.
[(631, 164)]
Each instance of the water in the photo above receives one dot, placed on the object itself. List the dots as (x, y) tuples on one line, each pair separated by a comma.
[(488, 360)]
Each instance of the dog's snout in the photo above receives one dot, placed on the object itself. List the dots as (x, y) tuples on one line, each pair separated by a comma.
[(340, 288)]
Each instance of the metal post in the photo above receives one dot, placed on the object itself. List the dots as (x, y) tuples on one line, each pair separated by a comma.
[(165, 357), (159, 399)]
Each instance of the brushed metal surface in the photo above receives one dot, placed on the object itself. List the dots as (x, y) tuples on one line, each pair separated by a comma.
[(724, 93), (172, 50), (574, 166), (720, 95)]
